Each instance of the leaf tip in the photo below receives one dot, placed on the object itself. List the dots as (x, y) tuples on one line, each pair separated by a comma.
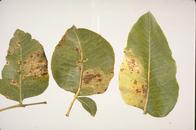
[(18, 31), (73, 27), (149, 14)]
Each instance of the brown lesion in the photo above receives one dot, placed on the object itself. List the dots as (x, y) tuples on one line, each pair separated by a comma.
[(99, 80), (7, 62), (88, 77), (14, 82), (77, 49), (135, 82)]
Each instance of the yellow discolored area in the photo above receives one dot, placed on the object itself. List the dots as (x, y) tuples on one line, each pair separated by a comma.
[(95, 81), (133, 83)]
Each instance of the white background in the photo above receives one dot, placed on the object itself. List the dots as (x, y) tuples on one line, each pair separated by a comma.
[(47, 21)]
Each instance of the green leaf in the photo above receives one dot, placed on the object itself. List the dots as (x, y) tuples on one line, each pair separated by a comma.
[(148, 72), (88, 104), (83, 62), (25, 73)]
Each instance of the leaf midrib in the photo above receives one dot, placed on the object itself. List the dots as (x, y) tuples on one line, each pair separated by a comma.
[(149, 65), (81, 59), (20, 75)]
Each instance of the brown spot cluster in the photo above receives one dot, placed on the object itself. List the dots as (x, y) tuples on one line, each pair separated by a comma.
[(133, 65), (139, 89), (35, 65), (95, 80)]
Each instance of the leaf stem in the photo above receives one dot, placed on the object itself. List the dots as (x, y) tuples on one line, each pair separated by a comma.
[(81, 75), (22, 105), (71, 105)]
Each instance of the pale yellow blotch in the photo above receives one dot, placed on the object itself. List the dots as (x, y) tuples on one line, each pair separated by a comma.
[(133, 84), (96, 81), (35, 65)]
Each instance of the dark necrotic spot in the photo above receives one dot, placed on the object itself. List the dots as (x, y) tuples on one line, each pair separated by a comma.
[(99, 80), (98, 75), (38, 54), (138, 91), (7, 62), (40, 61), (77, 49)]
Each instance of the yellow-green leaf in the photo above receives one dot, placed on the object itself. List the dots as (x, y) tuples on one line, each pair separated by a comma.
[(148, 72), (25, 73), (83, 62)]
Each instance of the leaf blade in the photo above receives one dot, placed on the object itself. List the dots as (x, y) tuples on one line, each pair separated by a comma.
[(148, 46), (26, 67), (88, 104)]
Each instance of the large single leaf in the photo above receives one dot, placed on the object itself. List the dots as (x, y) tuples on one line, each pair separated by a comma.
[(148, 72), (25, 73), (83, 62)]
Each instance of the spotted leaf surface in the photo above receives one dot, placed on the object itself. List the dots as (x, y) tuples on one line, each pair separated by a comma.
[(148, 72), (25, 73), (83, 62)]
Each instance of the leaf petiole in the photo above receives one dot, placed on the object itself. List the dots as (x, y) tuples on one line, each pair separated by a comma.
[(22, 105), (71, 105)]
